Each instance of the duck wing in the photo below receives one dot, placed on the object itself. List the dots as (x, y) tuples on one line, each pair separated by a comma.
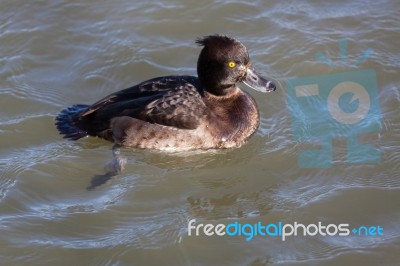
[(171, 101), (181, 107)]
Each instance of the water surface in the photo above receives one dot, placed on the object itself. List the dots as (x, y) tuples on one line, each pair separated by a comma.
[(57, 53)]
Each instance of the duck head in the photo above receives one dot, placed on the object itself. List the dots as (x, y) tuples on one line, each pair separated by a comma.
[(223, 62)]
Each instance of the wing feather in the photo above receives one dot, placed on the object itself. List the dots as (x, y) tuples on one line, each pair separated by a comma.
[(181, 107), (171, 101)]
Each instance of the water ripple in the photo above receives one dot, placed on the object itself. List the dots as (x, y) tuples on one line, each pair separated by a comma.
[(60, 53)]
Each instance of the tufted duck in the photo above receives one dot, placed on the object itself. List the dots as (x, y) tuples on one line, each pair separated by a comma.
[(178, 113)]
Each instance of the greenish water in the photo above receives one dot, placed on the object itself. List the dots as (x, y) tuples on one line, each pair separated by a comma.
[(54, 54)]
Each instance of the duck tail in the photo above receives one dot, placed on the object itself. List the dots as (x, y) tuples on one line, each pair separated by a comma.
[(66, 125)]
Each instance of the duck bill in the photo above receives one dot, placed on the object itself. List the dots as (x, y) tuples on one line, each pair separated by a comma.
[(257, 82)]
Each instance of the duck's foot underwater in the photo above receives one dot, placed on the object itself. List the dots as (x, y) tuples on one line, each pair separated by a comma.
[(113, 168)]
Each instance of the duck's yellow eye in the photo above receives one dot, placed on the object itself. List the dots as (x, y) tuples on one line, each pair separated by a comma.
[(231, 64)]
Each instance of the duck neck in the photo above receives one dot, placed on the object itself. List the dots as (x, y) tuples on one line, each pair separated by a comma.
[(222, 90)]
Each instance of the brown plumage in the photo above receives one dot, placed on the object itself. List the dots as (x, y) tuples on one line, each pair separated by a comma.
[(178, 113)]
